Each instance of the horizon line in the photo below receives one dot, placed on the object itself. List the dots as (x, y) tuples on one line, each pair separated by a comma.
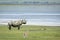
[(31, 24)]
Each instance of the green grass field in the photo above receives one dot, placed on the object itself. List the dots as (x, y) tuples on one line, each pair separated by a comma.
[(34, 33)]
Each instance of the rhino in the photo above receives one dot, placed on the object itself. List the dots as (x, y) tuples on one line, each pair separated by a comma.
[(16, 23)]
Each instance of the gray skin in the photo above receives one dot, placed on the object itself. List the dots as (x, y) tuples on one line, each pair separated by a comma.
[(16, 23)]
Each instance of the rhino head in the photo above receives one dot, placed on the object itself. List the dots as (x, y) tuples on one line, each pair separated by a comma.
[(23, 21)]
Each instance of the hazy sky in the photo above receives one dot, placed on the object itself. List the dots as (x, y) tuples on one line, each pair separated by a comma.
[(36, 15)]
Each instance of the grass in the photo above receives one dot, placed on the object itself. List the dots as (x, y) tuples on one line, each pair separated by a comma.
[(34, 33)]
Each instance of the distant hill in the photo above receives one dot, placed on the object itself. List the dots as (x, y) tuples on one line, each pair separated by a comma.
[(25, 2)]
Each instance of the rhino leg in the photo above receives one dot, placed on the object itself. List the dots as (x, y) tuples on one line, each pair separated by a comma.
[(9, 27), (18, 27)]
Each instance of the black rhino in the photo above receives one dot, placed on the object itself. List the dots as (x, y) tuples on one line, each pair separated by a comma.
[(16, 23)]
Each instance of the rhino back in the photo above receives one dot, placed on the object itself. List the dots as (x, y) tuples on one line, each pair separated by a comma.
[(16, 22)]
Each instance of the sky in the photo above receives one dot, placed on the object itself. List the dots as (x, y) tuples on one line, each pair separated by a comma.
[(34, 14)]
